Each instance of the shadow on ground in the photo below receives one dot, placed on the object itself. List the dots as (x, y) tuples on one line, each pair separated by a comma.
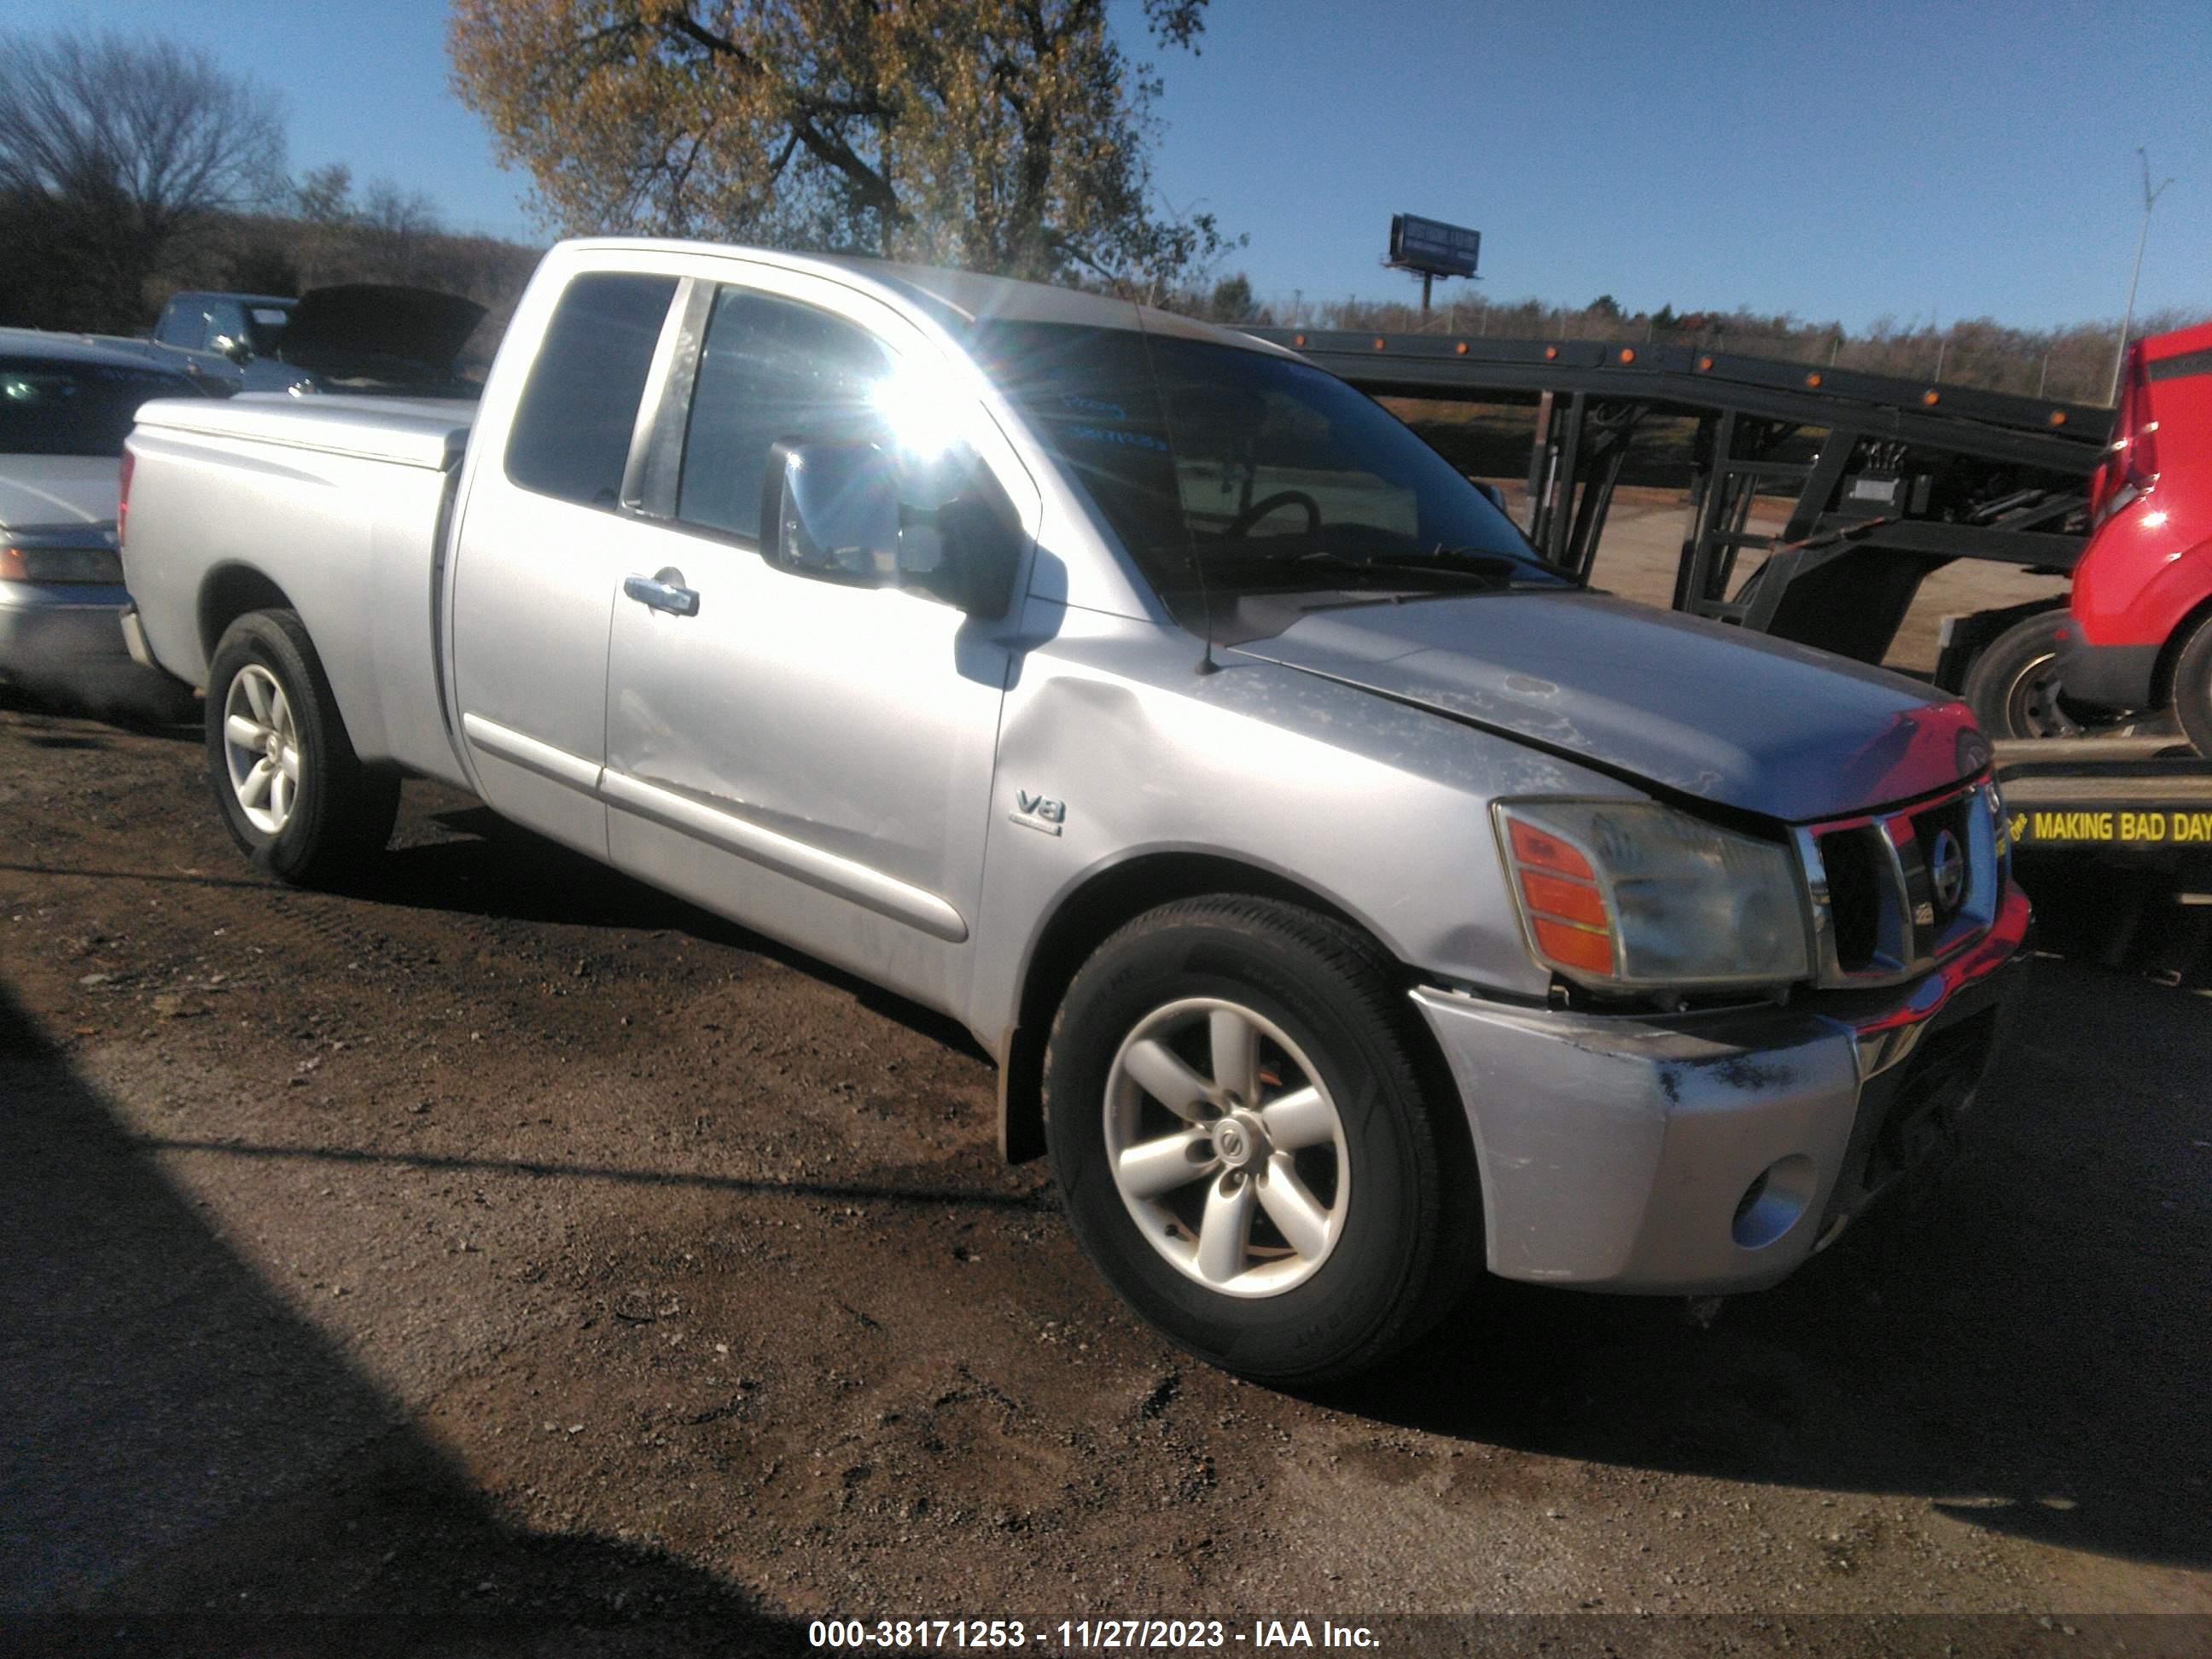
[(487, 867), (2028, 1348), (480, 865), (181, 1449), (64, 716)]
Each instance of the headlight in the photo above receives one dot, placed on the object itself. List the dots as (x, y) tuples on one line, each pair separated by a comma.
[(1633, 896)]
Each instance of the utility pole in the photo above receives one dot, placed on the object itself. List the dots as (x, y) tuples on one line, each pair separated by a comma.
[(2127, 321)]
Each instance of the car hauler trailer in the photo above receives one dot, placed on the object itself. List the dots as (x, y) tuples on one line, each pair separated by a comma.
[(1904, 477), (1894, 479)]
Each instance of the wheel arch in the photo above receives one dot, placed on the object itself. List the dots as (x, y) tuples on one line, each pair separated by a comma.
[(1088, 913), (231, 590)]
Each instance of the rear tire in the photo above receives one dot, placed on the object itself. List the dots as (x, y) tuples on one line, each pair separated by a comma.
[(2192, 689), (2014, 689), (294, 796), (1306, 1125)]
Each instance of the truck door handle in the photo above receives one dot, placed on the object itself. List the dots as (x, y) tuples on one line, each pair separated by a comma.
[(663, 591)]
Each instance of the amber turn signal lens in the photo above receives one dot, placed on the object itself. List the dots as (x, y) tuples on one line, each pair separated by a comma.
[(1570, 901), (1573, 947), (1531, 846)]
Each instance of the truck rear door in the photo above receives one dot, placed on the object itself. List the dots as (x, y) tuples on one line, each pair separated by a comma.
[(540, 553)]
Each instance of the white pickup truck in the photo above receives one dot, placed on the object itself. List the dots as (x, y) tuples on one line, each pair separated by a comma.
[(1351, 901)]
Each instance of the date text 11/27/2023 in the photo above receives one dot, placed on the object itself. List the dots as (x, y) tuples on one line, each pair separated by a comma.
[(1088, 1635)]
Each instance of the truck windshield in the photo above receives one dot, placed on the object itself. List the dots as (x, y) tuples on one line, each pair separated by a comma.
[(51, 406), (1239, 472)]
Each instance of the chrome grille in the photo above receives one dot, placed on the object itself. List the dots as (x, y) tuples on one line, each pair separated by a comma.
[(1895, 893)]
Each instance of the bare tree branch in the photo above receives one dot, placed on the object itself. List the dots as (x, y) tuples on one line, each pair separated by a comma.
[(132, 147)]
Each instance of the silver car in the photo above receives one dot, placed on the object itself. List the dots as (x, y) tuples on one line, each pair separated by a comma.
[(65, 406)]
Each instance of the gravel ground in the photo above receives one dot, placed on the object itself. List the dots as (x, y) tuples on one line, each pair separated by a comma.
[(502, 1257)]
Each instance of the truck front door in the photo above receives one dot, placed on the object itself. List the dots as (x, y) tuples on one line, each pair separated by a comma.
[(811, 757)]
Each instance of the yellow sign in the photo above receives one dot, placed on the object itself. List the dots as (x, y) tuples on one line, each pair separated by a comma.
[(2113, 827)]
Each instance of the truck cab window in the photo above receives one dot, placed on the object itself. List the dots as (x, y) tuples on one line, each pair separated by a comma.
[(769, 369), (572, 430)]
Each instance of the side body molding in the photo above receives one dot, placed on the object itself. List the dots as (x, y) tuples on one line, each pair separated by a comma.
[(723, 827)]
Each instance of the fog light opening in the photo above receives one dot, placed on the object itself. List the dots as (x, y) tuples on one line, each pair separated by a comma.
[(1777, 1198)]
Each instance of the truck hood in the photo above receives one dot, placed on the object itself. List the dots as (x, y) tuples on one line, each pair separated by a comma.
[(1688, 706), (378, 332), (49, 490)]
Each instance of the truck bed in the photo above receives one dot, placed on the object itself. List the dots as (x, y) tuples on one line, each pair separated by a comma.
[(340, 503)]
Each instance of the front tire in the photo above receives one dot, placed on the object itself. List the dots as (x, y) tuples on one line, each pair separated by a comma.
[(294, 796), (1251, 1149)]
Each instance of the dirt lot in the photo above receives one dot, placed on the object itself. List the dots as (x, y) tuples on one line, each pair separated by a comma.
[(504, 1249)]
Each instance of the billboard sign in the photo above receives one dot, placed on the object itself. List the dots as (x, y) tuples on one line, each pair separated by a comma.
[(1431, 246)]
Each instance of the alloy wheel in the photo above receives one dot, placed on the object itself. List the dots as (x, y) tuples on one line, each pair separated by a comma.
[(1226, 1147), (261, 748)]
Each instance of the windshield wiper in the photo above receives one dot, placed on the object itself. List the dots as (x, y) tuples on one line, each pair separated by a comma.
[(1464, 566)]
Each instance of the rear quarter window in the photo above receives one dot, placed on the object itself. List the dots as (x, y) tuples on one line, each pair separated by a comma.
[(572, 432)]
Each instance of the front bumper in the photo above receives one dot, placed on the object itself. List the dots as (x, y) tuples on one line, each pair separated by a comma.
[(1704, 1154)]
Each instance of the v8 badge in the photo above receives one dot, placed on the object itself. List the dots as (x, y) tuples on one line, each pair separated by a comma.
[(1038, 812)]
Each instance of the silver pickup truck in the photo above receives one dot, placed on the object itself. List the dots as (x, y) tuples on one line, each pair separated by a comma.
[(1351, 900)]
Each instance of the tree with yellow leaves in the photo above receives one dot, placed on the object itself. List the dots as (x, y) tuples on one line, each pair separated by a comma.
[(1005, 135)]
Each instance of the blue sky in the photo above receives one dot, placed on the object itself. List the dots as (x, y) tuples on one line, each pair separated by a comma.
[(1837, 161)]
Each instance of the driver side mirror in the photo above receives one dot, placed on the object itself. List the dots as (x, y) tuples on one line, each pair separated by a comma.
[(229, 345), (851, 512), (831, 510)]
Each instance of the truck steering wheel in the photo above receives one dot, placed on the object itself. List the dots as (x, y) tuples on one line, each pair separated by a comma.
[(1259, 509)]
